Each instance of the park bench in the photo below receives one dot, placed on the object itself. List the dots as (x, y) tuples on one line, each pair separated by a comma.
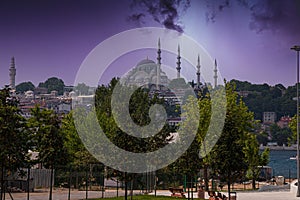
[(177, 192), (219, 196)]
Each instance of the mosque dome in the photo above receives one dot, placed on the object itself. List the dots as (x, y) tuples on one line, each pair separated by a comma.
[(146, 62), (145, 73), (29, 92)]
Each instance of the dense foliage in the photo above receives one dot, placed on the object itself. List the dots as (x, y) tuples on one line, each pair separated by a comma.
[(265, 98), (14, 137), (25, 86), (52, 84), (58, 143)]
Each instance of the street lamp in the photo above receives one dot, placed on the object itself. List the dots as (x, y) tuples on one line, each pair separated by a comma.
[(297, 49)]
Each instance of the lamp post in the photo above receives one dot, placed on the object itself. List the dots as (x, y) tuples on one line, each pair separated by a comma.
[(297, 49)]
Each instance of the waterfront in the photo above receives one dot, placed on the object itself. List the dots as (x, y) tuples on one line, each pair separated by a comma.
[(281, 163)]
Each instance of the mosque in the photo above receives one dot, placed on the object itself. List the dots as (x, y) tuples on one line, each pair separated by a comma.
[(148, 73)]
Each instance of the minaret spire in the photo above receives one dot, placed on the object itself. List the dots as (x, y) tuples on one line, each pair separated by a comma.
[(216, 73), (198, 71), (12, 73), (178, 63), (158, 65)]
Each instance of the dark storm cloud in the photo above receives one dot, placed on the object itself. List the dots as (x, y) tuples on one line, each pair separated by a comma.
[(138, 18), (274, 15), (165, 12)]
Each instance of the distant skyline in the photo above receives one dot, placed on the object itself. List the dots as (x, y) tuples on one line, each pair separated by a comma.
[(251, 40)]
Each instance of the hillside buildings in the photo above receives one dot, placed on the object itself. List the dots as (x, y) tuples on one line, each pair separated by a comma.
[(284, 121)]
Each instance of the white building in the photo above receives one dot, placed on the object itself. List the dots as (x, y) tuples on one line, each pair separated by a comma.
[(269, 117)]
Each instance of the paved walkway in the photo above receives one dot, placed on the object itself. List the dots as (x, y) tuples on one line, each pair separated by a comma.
[(267, 196), (63, 195), (284, 195), (77, 195)]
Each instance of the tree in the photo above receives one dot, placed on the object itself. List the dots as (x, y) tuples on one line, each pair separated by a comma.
[(254, 158), (190, 163), (14, 137), (229, 162), (77, 152), (262, 138), (280, 135), (293, 126), (49, 140), (201, 110), (204, 103), (82, 89), (25, 86), (139, 105), (53, 84), (79, 157)]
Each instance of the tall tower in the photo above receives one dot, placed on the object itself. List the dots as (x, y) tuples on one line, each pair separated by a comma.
[(216, 73), (178, 63), (198, 72), (12, 74), (158, 65)]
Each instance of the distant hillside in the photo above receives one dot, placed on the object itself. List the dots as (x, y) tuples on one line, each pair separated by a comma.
[(265, 98)]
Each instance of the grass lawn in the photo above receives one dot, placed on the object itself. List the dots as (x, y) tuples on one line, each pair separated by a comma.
[(144, 197)]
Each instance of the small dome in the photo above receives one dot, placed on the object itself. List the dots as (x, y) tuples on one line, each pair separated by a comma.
[(145, 61), (72, 94), (28, 92)]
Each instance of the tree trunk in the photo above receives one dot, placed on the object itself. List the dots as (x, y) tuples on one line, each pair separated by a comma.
[(126, 186), (131, 189), (228, 185), (253, 184), (28, 183), (253, 180), (51, 181), (205, 174), (76, 184), (70, 182), (2, 181)]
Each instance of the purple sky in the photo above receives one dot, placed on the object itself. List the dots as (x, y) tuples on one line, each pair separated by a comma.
[(52, 38)]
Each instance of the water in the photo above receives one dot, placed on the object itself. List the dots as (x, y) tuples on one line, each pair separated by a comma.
[(282, 165)]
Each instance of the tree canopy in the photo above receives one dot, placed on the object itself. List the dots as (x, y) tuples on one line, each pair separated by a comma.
[(25, 86), (264, 98), (53, 83), (229, 162), (48, 137), (14, 137)]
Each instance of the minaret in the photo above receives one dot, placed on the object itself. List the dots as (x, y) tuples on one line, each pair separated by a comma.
[(178, 63), (198, 72), (12, 74), (158, 65), (216, 73)]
